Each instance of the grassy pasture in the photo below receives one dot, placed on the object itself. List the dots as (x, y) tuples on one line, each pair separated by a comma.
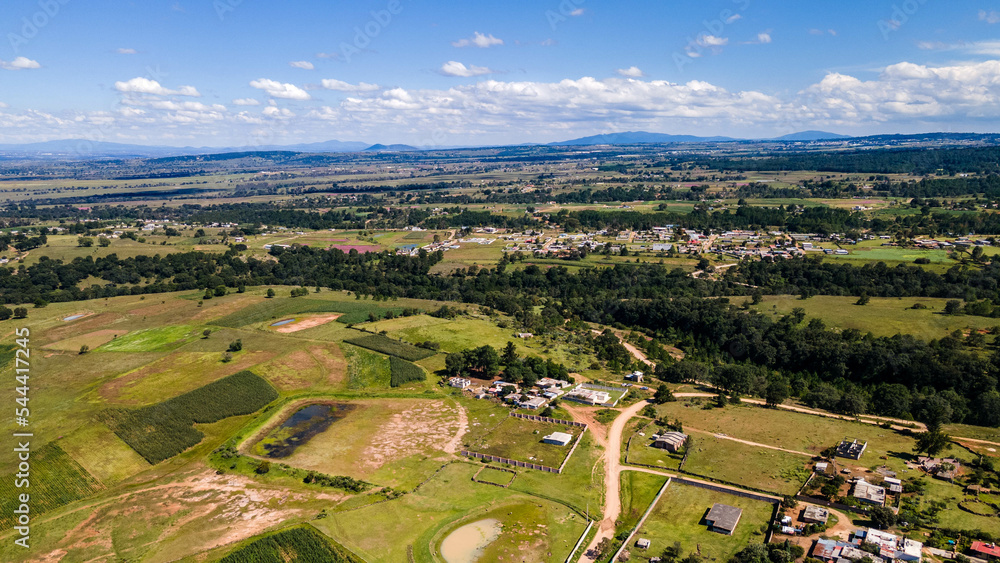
[(495, 476), (679, 517), (354, 311), (366, 370), (394, 442), (521, 440), (638, 490), (103, 454), (768, 470), (882, 316), (535, 529)]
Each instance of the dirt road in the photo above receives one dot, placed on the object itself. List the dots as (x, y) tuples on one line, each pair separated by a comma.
[(612, 478)]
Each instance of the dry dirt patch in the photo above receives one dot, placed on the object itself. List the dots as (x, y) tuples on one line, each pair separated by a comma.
[(430, 425), (306, 322), (92, 340)]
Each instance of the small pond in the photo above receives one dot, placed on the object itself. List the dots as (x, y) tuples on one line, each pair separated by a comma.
[(283, 322), (300, 428), (73, 317), (466, 544)]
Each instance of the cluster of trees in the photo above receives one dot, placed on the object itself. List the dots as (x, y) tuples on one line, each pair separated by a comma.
[(485, 362)]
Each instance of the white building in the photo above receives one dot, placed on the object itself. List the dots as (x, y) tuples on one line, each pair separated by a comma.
[(459, 382)]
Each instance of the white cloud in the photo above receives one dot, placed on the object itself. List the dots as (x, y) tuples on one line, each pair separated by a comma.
[(341, 86), (631, 72), (277, 89), (3, 105), (706, 40), (455, 68), (478, 40), (578, 12), (126, 51), (282, 113), (304, 65), (763, 38), (548, 42), (989, 48), (20, 63), (140, 85), (990, 17), (734, 18), (327, 55), (246, 102)]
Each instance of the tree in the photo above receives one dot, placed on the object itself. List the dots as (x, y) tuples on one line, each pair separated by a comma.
[(270, 293), (953, 307), (882, 517), (509, 355), (663, 395), (84, 349), (20, 313), (220, 290), (602, 548), (235, 346), (932, 442), (208, 294), (777, 391), (85, 242), (863, 300), (5, 313), (206, 333), (103, 242)]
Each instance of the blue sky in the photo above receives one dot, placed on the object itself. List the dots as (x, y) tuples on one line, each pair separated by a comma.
[(247, 72)]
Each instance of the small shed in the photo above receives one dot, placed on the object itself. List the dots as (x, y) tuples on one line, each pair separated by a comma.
[(642, 543)]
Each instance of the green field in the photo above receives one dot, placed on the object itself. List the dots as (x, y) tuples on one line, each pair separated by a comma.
[(151, 340), (679, 518), (366, 370), (402, 372), (495, 476), (278, 308), (638, 489), (521, 440), (882, 316), (421, 520), (775, 472)]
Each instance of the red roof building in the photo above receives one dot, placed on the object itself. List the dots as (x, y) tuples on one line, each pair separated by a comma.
[(991, 549)]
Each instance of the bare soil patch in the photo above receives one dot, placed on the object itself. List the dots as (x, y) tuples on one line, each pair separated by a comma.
[(431, 425), (92, 340), (307, 322), (90, 323)]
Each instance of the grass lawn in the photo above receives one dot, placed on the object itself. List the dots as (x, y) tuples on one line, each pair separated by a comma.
[(883, 316), (580, 485), (679, 517), (638, 490), (521, 440), (495, 476), (533, 529), (768, 470), (366, 370)]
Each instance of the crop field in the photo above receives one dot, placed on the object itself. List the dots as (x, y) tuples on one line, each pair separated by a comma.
[(297, 545), (384, 345), (882, 316), (453, 335), (521, 440), (55, 480), (151, 339), (420, 521), (103, 454), (403, 372), (163, 430), (679, 517)]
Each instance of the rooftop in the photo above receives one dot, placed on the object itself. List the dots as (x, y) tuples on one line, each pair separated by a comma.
[(724, 516)]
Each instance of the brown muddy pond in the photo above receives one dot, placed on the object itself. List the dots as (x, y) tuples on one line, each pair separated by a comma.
[(300, 428)]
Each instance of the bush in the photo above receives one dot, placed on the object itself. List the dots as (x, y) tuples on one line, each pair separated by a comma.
[(163, 430), (403, 372), (235, 346)]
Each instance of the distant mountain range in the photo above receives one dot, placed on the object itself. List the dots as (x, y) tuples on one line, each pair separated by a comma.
[(84, 149)]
